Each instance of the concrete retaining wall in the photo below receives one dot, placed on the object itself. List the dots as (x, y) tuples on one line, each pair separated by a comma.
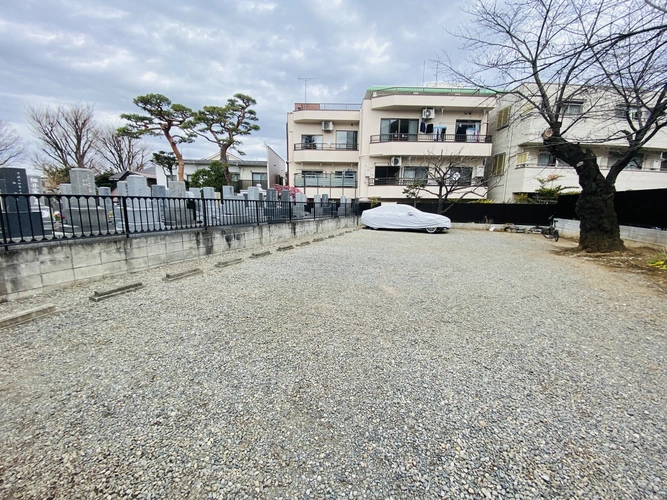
[(631, 236), (29, 270)]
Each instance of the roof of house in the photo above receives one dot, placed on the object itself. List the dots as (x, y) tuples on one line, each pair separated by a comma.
[(121, 176)]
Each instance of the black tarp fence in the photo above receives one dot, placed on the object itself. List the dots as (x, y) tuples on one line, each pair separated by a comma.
[(645, 208), (493, 213)]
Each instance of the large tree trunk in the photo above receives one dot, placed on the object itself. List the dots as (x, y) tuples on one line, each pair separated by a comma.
[(179, 156), (598, 227), (598, 224)]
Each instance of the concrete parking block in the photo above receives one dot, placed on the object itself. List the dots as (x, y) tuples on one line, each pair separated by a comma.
[(25, 316), (112, 292), (182, 274), (229, 263)]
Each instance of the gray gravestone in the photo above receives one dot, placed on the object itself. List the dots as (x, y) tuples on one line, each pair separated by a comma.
[(137, 186), (159, 191), (121, 188), (227, 192), (83, 181), (177, 189)]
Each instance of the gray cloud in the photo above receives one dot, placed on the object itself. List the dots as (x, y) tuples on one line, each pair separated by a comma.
[(202, 53)]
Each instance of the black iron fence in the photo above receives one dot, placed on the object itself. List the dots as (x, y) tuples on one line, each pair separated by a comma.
[(39, 218)]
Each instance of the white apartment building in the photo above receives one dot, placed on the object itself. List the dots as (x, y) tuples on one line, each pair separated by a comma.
[(520, 158), (377, 148)]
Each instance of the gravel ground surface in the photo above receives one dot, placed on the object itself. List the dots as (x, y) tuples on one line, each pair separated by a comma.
[(372, 365)]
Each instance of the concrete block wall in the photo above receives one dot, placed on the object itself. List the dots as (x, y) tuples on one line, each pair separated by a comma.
[(29, 270), (632, 236)]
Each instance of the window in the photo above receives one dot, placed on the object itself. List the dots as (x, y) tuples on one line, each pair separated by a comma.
[(572, 108), (386, 175), (546, 159), (312, 173), (461, 176), (623, 110), (498, 164), (522, 158), (467, 130), (347, 174), (503, 118), (258, 177), (663, 161), (412, 174), (311, 141), (635, 163), (346, 139), (398, 129)]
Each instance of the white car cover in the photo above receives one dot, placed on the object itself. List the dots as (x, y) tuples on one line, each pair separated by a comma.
[(402, 217)]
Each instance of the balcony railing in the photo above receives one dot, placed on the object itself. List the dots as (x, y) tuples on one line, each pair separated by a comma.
[(397, 137), (326, 180), (337, 146), (411, 181), (326, 106)]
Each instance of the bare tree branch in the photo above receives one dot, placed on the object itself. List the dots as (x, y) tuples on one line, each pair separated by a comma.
[(67, 135), (120, 153), (12, 147)]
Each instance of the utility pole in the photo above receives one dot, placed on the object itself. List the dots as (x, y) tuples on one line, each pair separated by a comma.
[(305, 86)]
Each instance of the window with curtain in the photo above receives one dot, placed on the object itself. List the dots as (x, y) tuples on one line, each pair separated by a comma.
[(398, 129), (346, 139), (311, 141)]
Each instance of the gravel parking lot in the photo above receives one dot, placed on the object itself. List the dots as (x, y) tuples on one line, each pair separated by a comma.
[(375, 364)]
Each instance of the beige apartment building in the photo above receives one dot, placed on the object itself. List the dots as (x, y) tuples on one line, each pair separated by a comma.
[(520, 158), (379, 147)]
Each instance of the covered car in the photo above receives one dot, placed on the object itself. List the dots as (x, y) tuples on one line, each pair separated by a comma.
[(404, 217)]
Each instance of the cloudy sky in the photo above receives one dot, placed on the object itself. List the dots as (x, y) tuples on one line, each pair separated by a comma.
[(202, 52)]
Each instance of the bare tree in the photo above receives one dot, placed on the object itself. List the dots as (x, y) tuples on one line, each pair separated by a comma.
[(12, 147), (120, 153), (67, 136), (603, 55), (163, 118), (445, 176)]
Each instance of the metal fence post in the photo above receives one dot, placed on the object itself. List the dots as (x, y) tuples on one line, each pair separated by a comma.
[(257, 210), (205, 217), (2, 224), (126, 221)]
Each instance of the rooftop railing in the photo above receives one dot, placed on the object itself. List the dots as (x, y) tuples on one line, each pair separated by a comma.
[(326, 106)]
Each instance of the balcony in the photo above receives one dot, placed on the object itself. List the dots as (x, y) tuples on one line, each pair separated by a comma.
[(465, 180), (349, 179), (397, 144), (326, 153), (337, 146), (397, 137)]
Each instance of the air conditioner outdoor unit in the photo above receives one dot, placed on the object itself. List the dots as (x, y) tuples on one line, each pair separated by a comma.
[(396, 161), (327, 126), (479, 171), (428, 113)]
